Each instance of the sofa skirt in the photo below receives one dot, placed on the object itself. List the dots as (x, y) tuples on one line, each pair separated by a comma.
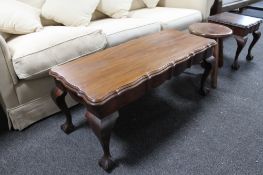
[(26, 114)]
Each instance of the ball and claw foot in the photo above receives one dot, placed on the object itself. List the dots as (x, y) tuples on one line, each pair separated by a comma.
[(250, 57), (204, 91), (107, 164), (67, 128), (235, 66)]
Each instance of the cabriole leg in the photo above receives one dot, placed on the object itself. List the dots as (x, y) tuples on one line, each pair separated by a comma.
[(241, 42), (102, 129), (256, 36), (207, 64), (58, 97)]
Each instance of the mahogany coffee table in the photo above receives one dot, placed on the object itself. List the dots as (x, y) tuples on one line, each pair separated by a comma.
[(241, 26), (217, 32), (110, 79)]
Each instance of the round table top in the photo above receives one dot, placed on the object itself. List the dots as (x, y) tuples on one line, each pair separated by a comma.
[(210, 30)]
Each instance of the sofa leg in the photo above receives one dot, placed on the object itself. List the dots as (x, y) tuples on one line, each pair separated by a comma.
[(58, 96)]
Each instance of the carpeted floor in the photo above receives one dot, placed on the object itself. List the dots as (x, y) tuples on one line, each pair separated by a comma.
[(170, 131)]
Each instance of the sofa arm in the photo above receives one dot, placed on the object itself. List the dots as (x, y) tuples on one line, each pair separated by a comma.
[(204, 6), (8, 96)]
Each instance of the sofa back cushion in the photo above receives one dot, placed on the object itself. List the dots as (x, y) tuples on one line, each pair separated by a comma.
[(151, 3), (34, 3), (115, 8), (137, 4), (38, 4), (19, 18), (72, 13), (98, 15), (204, 6)]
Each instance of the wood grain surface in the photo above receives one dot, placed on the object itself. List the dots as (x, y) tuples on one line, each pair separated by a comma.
[(101, 76)]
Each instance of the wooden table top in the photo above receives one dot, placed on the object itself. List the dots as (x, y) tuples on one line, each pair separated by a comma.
[(236, 20), (101, 76), (210, 30)]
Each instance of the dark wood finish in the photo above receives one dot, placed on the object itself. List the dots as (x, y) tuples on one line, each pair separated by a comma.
[(108, 80), (102, 129), (256, 36), (208, 64), (241, 26), (217, 32), (210, 30), (58, 95), (214, 74), (241, 42), (221, 52)]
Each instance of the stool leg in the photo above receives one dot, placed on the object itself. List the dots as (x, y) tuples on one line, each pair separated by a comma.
[(221, 53), (214, 74), (241, 42), (256, 36)]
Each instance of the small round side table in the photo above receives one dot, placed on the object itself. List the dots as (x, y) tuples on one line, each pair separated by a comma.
[(217, 32)]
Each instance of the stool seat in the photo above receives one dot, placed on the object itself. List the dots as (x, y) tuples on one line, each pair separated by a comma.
[(210, 30), (217, 32)]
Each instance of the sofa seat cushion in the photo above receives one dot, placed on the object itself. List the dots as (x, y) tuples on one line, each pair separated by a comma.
[(170, 18), (34, 54), (121, 30)]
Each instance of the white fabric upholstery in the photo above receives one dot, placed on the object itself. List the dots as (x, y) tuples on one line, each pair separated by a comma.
[(137, 4), (38, 4), (35, 102), (18, 18), (52, 46), (204, 6), (151, 3), (98, 15), (6, 58), (121, 30), (71, 13), (5, 35), (38, 88), (34, 3), (170, 18), (115, 8), (8, 96)]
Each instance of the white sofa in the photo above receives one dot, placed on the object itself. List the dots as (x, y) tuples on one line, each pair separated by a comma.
[(25, 59)]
